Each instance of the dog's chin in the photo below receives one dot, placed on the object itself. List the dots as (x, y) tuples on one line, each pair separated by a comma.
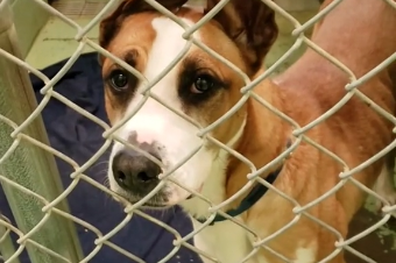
[(179, 196), (156, 206), (165, 199), (156, 202), (150, 204)]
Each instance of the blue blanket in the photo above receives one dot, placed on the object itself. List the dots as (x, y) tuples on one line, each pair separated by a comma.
[(79, 138)]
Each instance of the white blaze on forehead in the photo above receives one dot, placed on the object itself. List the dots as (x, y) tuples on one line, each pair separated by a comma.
[(166, 47), (151, 120)]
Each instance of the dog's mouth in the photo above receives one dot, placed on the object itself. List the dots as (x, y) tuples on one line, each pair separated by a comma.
[(199, 190), (155, 205), (152, 204), (160, 200)]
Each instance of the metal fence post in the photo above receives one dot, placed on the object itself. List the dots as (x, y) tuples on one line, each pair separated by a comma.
[(30, 166)]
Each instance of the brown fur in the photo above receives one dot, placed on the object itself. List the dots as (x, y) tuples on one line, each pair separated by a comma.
[(120, 45), (304, 92), (355, 133)]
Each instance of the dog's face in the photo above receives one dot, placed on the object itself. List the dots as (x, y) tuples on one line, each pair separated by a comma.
[(199, 86)]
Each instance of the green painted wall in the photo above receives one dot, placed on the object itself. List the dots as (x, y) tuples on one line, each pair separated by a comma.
[(29, 18)]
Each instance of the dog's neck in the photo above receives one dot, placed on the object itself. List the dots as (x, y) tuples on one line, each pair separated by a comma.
[(263, 138)]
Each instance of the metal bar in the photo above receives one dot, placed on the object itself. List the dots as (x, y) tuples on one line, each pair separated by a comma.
[(30, 166)]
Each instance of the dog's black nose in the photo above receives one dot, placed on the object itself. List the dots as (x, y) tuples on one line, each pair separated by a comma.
[(135, 172)]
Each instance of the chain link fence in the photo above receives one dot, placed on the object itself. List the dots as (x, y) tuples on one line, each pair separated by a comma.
[(29, 176)]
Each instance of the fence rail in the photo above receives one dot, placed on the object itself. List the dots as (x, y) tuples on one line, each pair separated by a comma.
[(29, 177), (30, 184)]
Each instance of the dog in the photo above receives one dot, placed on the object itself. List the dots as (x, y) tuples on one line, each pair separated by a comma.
[(357, 33)]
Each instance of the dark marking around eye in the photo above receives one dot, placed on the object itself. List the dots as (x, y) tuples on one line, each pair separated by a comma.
[(197, 84), (121, 82)]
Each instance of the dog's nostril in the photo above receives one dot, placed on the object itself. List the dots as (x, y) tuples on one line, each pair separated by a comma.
[(143, 176), (121, 176)]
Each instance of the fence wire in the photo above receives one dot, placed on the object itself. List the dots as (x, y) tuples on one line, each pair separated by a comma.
[(49, 204)]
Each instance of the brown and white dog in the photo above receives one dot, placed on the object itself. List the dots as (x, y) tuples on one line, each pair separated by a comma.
[(358, 33)]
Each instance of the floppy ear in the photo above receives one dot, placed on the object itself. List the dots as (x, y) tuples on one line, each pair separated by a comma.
[(251, 25), (110, 25)]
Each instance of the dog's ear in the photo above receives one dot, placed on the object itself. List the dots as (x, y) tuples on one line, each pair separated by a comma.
[(110, 25), (251, 25)]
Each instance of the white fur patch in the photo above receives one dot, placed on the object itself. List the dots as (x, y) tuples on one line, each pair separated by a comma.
[(225, 241), (214, 186), (305, 255)]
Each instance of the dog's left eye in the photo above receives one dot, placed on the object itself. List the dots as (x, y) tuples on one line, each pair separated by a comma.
[(203, 83), (198, 85), (119, 80)]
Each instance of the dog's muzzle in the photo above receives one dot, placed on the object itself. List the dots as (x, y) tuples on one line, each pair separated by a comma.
[(135, 173)]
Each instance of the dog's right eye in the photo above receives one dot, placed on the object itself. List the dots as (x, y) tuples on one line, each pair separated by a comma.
[(203, 83), (119, 80)]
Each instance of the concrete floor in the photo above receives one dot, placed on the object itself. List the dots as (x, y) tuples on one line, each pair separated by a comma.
[(56, 42)]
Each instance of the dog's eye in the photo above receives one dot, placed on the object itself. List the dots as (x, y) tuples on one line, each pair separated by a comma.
[(197, 85), (119, 80), (203, 83)]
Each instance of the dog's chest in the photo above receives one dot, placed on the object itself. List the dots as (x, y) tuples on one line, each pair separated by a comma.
[(225, 241)]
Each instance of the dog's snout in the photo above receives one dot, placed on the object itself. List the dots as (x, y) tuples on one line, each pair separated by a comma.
[(135, 172)]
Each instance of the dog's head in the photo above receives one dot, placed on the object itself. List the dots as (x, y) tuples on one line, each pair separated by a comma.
[(199, 85)]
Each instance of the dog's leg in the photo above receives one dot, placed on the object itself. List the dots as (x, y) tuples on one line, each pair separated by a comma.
[(226, 241), (385, 184)]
